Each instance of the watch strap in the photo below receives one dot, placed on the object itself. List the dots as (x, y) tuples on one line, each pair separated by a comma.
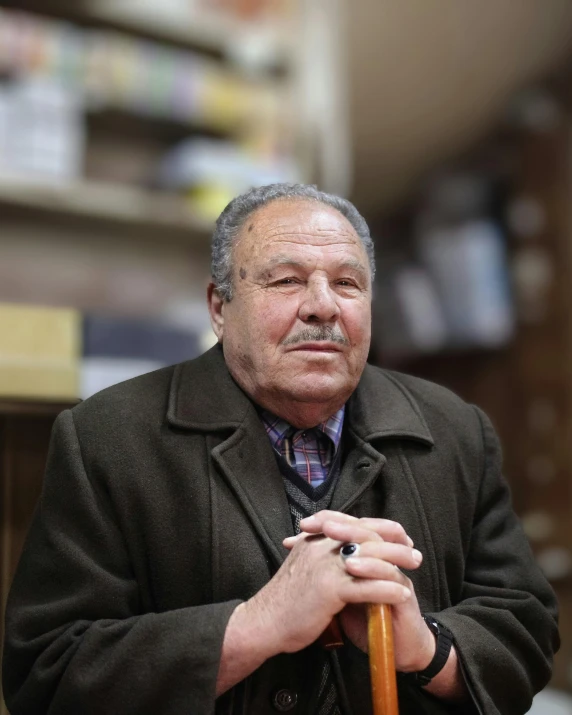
[(444, 641)]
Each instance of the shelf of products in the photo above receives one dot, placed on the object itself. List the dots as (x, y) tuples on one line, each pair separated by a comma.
[(114, 69), (189, 124), (60, 354)]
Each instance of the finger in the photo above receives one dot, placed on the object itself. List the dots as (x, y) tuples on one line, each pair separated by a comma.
[(387, 529), (353, 531), (396, 554), (364, 590), (313, 524), (290, 541), (367, 567)]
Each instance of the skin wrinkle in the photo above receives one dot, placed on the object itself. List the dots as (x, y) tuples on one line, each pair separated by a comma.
[(308, 282), (285, 260)]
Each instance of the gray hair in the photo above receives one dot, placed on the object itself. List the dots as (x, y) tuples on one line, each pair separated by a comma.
[(232, 219)]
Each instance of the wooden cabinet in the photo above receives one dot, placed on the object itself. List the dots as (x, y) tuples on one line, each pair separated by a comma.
[(25, 429)]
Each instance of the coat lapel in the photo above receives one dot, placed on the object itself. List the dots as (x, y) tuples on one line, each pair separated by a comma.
[(205, 398), (248, 463), (361, 468), (380, 409)]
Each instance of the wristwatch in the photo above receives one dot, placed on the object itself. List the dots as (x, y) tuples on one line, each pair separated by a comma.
[(444, 639)]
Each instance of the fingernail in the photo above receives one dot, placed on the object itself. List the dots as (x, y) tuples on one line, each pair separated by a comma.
[(308, 519), (410, 541), (417, 556), (407, 592)]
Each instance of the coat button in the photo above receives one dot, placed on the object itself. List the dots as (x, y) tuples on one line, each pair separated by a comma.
[(284, 700)]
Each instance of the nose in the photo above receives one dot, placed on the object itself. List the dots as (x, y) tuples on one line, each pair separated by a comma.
[(319, 303)]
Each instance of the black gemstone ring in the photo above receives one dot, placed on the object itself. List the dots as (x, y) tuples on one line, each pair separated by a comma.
[(349, 550)]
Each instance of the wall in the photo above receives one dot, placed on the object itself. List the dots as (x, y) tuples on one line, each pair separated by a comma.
[(428, 76)]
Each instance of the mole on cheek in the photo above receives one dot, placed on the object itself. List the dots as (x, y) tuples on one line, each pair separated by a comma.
[(250, 227), (242, 273)]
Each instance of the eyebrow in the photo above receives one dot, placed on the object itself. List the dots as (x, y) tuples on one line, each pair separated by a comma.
[(351, 263)]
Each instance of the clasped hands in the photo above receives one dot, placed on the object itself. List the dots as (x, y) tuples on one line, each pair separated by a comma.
[(314, 584)]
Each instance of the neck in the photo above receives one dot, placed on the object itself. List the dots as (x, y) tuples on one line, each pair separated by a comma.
[(302, 415)]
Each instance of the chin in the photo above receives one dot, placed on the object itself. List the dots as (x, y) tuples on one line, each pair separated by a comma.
[(318, 390)]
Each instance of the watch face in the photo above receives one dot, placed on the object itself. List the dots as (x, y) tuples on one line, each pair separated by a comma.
[(432, 624), (436, 628)]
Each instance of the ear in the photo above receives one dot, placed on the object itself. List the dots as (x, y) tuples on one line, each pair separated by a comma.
[(216, 309)]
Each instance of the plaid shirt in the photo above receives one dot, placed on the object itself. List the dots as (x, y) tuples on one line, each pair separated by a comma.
[(309, 451)]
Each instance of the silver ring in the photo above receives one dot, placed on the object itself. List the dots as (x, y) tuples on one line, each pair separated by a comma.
[(349, 551)]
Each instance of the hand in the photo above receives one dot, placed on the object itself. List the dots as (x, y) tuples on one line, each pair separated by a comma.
[(414, 644), (313, 585)]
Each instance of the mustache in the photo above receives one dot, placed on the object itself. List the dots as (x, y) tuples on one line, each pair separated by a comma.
[(317, 333)]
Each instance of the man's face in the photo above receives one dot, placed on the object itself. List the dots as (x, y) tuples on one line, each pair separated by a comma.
[(298, 327)]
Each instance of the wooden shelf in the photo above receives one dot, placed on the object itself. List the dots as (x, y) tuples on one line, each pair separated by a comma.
[(32, 407), (118, 120), (215, 32), (117, 203)]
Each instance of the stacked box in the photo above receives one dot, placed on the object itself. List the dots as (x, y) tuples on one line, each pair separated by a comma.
[(116, 349), (40, 350)]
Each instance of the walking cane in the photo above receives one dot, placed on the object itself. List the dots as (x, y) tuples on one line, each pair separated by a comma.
[(381, 657), (381, 660)]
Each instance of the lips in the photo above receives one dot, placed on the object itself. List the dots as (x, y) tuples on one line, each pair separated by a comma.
[(321, 347)]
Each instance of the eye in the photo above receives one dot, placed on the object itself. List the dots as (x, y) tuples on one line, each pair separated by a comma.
[(346, 283), (286, 281)]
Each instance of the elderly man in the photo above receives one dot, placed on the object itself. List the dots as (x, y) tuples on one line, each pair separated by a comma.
[(185, 556)]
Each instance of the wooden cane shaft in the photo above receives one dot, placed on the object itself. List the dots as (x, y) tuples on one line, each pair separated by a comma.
[(381, 660)]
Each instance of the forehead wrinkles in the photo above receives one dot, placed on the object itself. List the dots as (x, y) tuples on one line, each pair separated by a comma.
[(307, 251), (296, 237), (301, 225), (280, 228)]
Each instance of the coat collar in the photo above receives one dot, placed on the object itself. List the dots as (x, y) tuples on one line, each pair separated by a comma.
[(204, 397)]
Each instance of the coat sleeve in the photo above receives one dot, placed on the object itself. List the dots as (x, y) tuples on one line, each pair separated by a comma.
[(76, 639), (505, 624)]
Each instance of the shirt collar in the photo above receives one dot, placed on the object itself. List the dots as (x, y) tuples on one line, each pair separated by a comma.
[(278, 429)]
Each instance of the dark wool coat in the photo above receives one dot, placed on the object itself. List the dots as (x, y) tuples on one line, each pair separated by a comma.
[(163, 508)]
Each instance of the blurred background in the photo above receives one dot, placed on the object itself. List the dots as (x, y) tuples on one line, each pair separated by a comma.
[(127, 125)]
